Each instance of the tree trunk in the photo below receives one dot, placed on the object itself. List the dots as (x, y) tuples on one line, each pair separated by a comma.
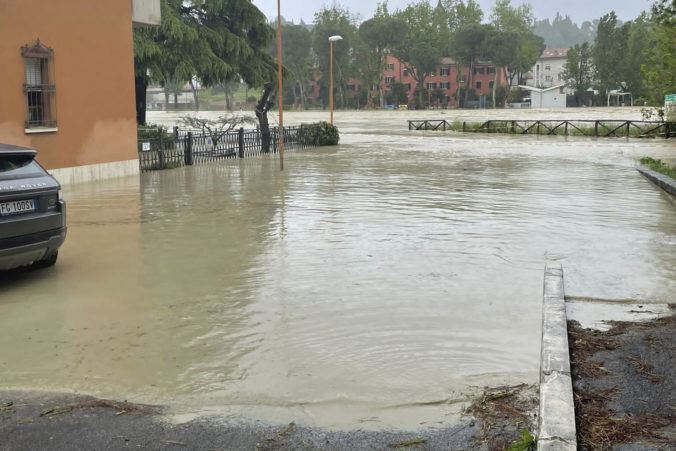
[(495, 85), (194, 94), (508, 81), (295, 94), (166, 96), (140, 84), (382, 97), (302, 94), (469, 84), (262, 107)]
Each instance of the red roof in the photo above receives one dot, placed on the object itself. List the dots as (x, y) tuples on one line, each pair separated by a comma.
[(554, 53)]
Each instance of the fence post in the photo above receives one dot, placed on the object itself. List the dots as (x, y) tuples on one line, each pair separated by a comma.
[(187, 149), (566, 129), (596, 128), (628, 122), (240, 140), (444, 124), (463, 126), (513, 128), (160, 153), (175, 132)]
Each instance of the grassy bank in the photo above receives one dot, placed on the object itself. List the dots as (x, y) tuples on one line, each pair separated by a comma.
[(659, 166)]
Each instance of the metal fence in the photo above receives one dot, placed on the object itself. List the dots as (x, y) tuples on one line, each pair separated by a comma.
[(186, 147)]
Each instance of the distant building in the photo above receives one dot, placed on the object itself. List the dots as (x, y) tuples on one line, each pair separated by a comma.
[(552, 97), (68, 82), (548, 69), (446, 77)]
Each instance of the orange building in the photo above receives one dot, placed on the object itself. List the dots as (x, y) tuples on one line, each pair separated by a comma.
[(67, 77)]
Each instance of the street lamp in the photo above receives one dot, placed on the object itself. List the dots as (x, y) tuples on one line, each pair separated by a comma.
[(279, 91), (332, 39)]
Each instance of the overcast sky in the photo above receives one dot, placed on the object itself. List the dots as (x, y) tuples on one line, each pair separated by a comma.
[(578, 10)]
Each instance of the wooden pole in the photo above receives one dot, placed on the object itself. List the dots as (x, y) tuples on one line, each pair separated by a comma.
[(279, 78), (331, 79)]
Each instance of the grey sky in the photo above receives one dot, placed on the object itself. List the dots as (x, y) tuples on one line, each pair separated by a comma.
[(578, 10)]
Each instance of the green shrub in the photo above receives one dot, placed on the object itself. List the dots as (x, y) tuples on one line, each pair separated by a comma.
[(155, 134), (318, 134)]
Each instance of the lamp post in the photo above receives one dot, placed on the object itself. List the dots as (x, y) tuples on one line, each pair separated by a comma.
[(332, 39), (279, 91)]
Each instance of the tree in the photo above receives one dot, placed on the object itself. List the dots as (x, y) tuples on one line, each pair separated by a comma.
[(379, 34), (296, 55), (500, 48), (421, 48), (579, 70), (638, 45), (215, 41), (461, 14), (660, 68), (265, 103), (512, 42), (217, 128), (469, 46), (609, 53), (397, 94)]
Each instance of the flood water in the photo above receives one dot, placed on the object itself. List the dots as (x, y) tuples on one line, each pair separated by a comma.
[(377, 283)]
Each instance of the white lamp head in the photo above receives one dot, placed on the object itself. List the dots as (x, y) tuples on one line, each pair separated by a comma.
[(335, 38)]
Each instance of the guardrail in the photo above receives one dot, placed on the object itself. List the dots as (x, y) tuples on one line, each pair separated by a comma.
[(565, 127)]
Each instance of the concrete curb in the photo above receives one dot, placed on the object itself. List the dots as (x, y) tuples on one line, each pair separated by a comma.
[(556, 428), (663, 181)]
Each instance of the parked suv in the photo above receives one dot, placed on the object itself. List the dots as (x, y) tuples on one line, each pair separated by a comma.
[(32, 213)]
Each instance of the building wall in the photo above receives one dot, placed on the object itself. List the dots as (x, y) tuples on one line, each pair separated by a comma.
[(551, 98), (399, 74), (93, 75)]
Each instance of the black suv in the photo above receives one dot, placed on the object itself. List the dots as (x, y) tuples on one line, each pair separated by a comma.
[(32, 213)]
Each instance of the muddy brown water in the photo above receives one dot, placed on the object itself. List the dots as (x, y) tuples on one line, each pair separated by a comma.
[(378, 283)]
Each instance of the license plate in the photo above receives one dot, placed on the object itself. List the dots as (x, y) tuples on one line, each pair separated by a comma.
[(17, 207)]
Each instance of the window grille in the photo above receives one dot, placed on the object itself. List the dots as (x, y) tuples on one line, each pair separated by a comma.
[(39, 86)]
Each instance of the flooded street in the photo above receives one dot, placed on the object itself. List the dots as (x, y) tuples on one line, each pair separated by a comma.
[(375, 284)]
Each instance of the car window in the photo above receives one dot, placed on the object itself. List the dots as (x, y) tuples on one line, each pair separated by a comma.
[(13, 166)]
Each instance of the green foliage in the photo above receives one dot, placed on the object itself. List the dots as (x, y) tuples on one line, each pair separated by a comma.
[(579, 71), (156, 134), (659, 166), (296, 56), (330, 21), (609, 52), (426, 38), (318, 134), (660, 68), (526, 442), (397, 94), (216, 41)]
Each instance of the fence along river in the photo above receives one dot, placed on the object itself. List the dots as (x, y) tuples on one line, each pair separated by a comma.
[(370, 285)]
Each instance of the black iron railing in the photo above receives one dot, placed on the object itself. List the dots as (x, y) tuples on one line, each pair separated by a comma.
[(184, 147)]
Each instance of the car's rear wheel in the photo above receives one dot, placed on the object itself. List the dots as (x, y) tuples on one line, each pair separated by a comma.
[(47, 261)]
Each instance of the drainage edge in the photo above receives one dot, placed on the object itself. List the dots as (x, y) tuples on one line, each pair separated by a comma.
[(556, 423)]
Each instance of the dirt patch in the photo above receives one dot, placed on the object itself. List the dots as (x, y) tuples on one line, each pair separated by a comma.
[(504, 413), (624, 384)]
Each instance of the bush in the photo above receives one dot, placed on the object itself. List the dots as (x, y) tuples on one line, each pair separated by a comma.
[(251, 99), (155, 134), (318, 134)]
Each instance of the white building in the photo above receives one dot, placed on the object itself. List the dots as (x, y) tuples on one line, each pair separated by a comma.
[(552, 97), (548, 69)]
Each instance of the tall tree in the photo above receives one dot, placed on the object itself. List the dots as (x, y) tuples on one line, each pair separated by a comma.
[(610, 52), (330, 21), (468, 47), (215, 41), (379, 34), (638, 45), (579, 71), (296, 55), (421, 48), (660, 69)]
